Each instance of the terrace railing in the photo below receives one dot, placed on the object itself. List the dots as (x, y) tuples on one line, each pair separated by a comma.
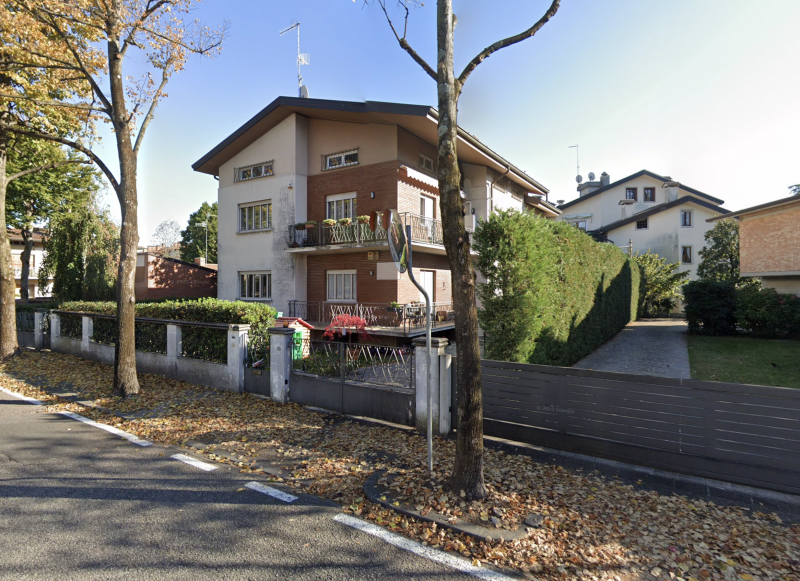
[(407, 317)]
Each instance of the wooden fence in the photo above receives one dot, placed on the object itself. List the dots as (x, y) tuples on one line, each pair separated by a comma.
[(738, 433)]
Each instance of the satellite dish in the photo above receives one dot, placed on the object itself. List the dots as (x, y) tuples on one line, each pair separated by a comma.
[(398, 245), (304, 92), (579, 179), (591, 176)]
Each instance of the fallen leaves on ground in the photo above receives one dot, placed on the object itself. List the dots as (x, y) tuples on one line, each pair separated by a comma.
[(591, 526)]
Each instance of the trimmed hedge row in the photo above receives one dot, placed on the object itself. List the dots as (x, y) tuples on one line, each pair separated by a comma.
[(552, 293), (719, 308)]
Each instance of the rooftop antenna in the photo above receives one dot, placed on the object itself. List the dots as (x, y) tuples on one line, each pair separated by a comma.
[(578, 178), (302, 59)]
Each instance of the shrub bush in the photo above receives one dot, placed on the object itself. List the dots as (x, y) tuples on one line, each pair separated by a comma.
[(767, 313), (552, 293), (710, 307)]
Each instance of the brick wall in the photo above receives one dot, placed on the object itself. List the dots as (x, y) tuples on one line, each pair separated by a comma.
[(380, 178), (771, 243), (162, 278), (442, 282), (408, 199)]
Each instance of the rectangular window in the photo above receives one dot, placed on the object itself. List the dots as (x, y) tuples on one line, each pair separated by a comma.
[(341, 285), (686, 254), (255, 285), (580, 225), (342, 159), (649, 194), (425, 162), (686, 218), (641, 224), (253, 217), (251, 172), (630, 194), (341, 206)]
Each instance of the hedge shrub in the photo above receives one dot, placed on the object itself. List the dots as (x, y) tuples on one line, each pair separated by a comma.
[(552, 293), (710, 307), (767, 313)]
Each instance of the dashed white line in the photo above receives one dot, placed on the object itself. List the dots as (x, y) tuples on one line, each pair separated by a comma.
[(205, 466), (273, 492), (452, 561), (20, 396), (116, 431)]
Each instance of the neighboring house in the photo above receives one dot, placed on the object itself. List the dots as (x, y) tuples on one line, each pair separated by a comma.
[(304, 160), (647, 211), (159, 277), (37, 255), (769, 243)]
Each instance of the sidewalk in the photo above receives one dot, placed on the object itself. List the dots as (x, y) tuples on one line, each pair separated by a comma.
[(648, 347)]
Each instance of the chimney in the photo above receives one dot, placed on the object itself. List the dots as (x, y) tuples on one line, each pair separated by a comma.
[(605, 179), (200, 261)]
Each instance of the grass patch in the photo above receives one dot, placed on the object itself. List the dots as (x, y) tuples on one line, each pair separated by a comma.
[(745, 360)]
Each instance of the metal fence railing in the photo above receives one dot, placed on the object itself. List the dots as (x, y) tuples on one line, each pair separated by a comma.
[(406, 317), (25, 321)]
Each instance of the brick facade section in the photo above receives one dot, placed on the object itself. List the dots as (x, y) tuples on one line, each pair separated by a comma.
[(770, 242), (408, 199), (380, 178), (162, 278)]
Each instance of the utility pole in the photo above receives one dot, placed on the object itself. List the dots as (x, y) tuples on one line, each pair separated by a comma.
[(205, 225)]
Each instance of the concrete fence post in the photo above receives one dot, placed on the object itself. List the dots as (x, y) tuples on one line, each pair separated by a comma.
[(87, 328), (55, 326), (237, 353), (38, 330), (440, 377), (280, 354), (174, 341)]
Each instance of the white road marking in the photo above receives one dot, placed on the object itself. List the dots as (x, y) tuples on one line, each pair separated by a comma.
[(192, 462), (20, 396), (274, 492), (116, 431), (447, 559)]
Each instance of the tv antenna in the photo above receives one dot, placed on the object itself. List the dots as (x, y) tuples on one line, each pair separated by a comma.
[(303, 58), (578, 177)]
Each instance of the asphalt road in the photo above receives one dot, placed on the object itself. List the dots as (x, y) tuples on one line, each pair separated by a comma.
[(79, 503)]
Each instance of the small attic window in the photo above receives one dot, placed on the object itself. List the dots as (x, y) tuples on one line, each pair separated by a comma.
[(251, 172), (341, 159), (425, 162)]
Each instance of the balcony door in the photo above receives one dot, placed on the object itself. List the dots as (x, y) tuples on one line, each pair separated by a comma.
[(426, 278), (428, 215)]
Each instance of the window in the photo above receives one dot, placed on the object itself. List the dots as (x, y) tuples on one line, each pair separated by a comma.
[(630, 194), (641, 224), (649, 194), (341, 285), (580, 225), (425, 162), (686, 218), (251, 172), (255, 217), (341, 206), (686, 254), (255, 285), (341, 159)]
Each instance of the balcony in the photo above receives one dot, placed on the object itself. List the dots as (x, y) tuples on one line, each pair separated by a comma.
[(381, 318), (423, 231)]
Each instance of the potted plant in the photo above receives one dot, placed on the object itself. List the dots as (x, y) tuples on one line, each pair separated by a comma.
[(363, 219), (310, 224), (329, 222), (344, 221), (395, 307), (300, 226)]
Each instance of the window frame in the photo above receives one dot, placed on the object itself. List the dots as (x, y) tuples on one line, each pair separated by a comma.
[(247, 283), (645, 191), (345, 198), (635, 191), (577, 224), (691, 254), (646, 223), (265, 169), (244, 219), (691, 218), (423, 157), (352, 275), (341, 155)]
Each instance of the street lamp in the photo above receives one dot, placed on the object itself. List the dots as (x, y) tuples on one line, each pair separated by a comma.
[(204, 224)]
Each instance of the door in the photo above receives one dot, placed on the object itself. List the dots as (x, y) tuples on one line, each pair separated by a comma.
[(426, 280), (426, 210)]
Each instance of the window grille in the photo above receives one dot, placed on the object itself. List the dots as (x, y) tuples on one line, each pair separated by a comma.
[(341, 159), (251, 172), (641, 224)]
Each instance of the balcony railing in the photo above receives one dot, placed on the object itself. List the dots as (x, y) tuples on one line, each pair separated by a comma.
[(424, 230), (404, 318)]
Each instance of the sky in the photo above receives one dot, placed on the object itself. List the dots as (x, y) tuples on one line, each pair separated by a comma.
[(705, 91)]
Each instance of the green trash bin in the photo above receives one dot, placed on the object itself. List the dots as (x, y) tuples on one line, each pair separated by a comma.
[(297, 351)]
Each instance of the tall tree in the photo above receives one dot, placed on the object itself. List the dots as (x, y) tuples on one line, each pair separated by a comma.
[(91, 40), (34, 199), (193, 239), (720, 257), (167, 235), (468, 469)]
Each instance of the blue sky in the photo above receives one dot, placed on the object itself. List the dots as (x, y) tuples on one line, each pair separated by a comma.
[(705, 91)]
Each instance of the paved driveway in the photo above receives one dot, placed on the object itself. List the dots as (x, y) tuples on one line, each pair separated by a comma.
[(80, 503), (648, 347)]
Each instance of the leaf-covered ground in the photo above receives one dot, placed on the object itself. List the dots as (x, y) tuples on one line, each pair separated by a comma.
[(592, 526)]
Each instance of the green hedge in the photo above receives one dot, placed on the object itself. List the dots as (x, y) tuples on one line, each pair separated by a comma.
[(710, 307), (552, 293), (767, 313)]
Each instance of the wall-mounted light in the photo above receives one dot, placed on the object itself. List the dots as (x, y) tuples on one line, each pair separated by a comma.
[(473, 211), (371, 272), (372, 195)]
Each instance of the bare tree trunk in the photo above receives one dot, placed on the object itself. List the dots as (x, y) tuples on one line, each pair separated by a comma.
[(27, 237), (126, 381), (468, 470), (8, 311)]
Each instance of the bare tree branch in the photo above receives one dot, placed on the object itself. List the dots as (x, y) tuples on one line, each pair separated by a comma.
[(488, 51), (151, 111), (131, 38), (404, 43), (21, 174)]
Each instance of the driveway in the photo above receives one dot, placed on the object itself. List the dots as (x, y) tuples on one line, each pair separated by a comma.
[(648, 347), (80, 503)]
